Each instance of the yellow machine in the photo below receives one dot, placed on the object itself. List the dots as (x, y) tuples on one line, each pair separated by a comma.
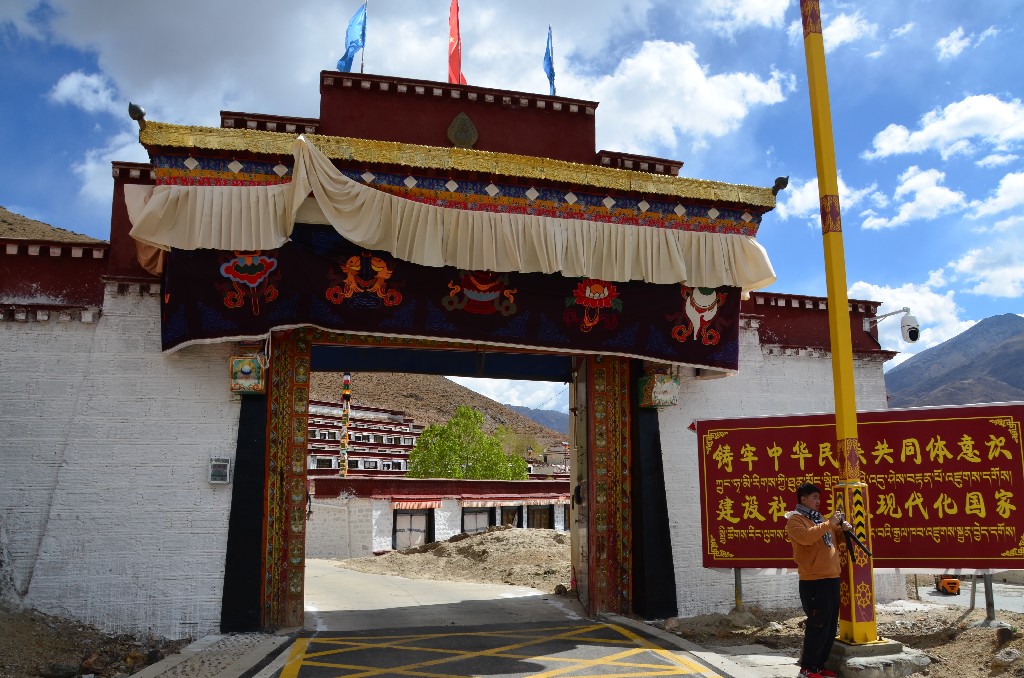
[(948, 583)]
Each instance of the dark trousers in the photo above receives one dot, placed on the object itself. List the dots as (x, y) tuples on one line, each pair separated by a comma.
[(820, 600)]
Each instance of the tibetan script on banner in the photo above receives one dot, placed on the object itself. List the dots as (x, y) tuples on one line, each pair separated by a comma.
[(945, 485)]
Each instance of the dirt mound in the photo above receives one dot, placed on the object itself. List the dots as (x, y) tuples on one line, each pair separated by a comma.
[(501, 555), (34, 644)]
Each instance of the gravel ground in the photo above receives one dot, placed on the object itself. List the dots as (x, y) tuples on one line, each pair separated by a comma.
[(34, 644)]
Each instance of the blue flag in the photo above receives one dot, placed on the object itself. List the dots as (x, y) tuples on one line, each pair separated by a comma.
[(549, 63), (355, 39)]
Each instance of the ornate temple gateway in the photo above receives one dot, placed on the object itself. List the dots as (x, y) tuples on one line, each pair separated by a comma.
[(445, 217), (413, 226)]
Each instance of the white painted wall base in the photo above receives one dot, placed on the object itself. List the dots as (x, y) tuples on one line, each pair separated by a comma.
[(103, 487)]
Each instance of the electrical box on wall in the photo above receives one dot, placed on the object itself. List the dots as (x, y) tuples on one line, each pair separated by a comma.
[(220, 470)]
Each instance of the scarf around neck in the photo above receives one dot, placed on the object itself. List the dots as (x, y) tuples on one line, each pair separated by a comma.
[(816, 518)]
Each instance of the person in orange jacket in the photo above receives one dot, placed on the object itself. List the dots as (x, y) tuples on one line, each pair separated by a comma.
[(814, 542)]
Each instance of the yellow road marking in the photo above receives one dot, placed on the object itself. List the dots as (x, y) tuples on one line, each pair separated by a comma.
[(667, 654), (676, 664), (294, 663)]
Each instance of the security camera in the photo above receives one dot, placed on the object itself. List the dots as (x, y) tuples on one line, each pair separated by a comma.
[(910, 328)]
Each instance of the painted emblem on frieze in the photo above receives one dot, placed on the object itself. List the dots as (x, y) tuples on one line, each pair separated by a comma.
[(249, 273), (365, 281), (481, 292), (700, 306), (599, 303)]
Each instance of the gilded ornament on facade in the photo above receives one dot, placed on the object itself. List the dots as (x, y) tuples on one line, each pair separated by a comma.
[(164, 135), (462, 132)]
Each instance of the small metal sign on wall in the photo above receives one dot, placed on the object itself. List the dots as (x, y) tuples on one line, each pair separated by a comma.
[(945, 485)]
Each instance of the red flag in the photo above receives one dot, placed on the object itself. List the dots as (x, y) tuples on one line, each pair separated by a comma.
[(455, 46)]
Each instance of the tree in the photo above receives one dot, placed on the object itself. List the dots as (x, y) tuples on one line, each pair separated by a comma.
[(518, 444), (459, 448)]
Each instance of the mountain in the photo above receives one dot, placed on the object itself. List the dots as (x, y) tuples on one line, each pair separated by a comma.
[(428, 399), (983, 364), (552, 419)]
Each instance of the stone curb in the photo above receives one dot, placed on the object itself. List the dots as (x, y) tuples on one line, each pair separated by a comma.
[(217, 656)]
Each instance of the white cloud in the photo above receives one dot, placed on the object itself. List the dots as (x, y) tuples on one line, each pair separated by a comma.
[(996, 270), (937, 313), (735, 15), (980, 119), (989, 32), (91, 92), (846, 28), (927, 199), (94, 169), (953, 44), (902, 30), (1008, 195), (801, 200), (1014, 223), (664, 95), (838, 30), (543, 395), (997, 159)]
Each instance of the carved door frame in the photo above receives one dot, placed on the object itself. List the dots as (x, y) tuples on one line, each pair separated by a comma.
[(606, 482)]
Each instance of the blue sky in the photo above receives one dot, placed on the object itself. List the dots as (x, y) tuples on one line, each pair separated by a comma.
[(926, 104)]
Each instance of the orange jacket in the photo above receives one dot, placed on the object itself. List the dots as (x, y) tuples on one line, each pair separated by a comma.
[(814, 559)]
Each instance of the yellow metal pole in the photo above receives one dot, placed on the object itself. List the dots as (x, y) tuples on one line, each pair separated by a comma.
[(857, 622)]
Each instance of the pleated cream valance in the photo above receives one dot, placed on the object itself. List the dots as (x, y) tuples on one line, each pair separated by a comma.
[(247, 218)]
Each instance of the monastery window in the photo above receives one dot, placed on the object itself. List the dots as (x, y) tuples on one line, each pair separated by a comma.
[(370, 463), (353, 463), (540, 517), (385, 466), (324, 462), (396, 465), (477, 519), (408, 440)]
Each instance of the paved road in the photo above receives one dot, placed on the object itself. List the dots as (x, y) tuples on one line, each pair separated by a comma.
[(364, 625), (1009, 597), (338, 599)]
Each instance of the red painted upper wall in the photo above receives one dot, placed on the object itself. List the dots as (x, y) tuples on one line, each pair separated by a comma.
[(420, 112), (797, 321), (124, 260), (56, 275)]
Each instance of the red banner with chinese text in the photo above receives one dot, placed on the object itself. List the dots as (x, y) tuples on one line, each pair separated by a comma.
[(944, 485)]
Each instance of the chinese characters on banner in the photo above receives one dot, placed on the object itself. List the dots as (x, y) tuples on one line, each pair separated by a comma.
[(945, 485)]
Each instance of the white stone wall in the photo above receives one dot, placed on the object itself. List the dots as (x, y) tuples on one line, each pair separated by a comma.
[(103, 486), (769, 382), (447, 519), (340, 528), (383, 522)]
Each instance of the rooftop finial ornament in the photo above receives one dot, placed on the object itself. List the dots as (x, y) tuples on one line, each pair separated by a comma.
[(780, 184), (138, 114)]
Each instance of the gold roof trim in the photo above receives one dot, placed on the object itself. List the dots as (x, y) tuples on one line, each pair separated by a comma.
[(435, 157)]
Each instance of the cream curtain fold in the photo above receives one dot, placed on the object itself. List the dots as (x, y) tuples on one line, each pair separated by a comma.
[(249, 218)]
